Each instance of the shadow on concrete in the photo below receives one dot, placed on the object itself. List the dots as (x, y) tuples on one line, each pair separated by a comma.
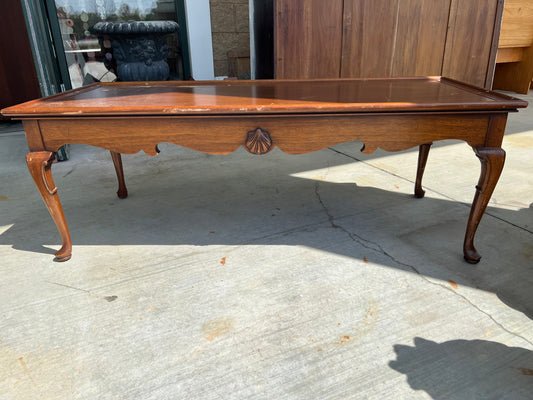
[(10, 126), (466, 369), (262, 205)]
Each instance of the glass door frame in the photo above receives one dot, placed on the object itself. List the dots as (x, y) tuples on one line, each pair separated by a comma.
[(57, 42)]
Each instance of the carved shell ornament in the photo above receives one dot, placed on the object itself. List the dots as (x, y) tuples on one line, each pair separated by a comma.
[(258, 142)]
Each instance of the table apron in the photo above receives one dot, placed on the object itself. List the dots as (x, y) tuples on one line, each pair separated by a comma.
[(293, 134)]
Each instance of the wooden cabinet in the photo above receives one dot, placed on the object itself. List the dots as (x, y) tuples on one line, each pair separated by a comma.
[(514, 68), (384, 38)]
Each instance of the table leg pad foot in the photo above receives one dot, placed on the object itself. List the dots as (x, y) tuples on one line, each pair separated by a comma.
[(62, 258), (471, 256), (419, 194)]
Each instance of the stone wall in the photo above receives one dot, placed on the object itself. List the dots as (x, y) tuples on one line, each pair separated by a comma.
[(231, 33)]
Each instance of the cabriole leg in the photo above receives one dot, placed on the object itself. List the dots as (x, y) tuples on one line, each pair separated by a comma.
[(492, 160), (423, 153), (117, 161), (39, 165)]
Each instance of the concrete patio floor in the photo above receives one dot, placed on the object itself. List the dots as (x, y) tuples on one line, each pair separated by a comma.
[(316, 276)]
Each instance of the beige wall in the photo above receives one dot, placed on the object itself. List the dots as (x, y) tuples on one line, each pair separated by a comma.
[(230, 32)]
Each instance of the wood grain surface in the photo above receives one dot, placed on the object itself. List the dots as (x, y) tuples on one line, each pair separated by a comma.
[(516, 76), (266, 96), (421, 37), (386, 38), (517, 24), (514, 71), (469, 44), (368, 38), (308, 36), (292, 134)]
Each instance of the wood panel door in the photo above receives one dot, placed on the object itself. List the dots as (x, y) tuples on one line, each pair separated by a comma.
[(472, 41), (384, 38), (420, 37), (369, 32), (307, 38)]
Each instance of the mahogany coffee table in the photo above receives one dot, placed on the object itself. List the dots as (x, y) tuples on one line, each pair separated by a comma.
[(298, 116)]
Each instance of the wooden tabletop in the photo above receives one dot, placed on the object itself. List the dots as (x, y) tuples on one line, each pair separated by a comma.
[(267, 96)]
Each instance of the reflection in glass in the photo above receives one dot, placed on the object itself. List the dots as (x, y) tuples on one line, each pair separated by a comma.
[(89, 57)]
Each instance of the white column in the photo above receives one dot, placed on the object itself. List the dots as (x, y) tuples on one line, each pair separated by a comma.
[(200, 40), (252, 38)]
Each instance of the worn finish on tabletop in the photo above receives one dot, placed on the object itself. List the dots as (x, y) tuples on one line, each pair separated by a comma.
[(296, 116)]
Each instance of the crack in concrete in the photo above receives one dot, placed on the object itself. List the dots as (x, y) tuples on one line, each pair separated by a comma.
[(388, 172), (377, 248), (68, 286), (72, 169), (467, 205)]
